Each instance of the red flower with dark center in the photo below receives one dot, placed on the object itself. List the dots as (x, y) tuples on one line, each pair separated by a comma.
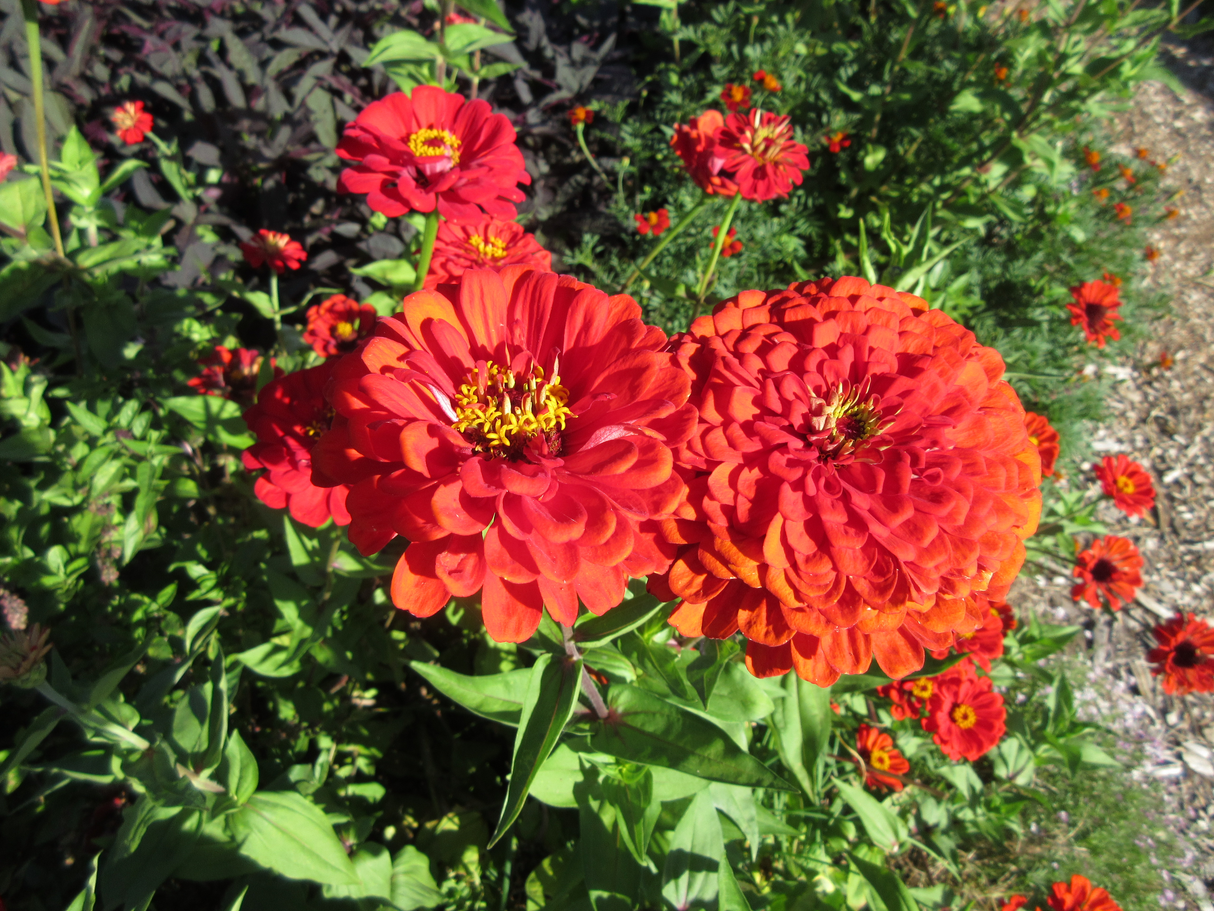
[(1045, 438), (1080, 895), (580, 114), (731, 245), (1092, 157), (861, 472), (762, 154), (289, 418), (1184, 656), (735, 97), (231, 374), (657, 222), (836, 142), (338, 325), (131, 121), (1111, 568), (877, 750), (696, 144), (965, 716), (489, 244), (1127, 483), (1095, 309), (433, 148), (1007, 616), (1124, 211), (517, 428), (275, 249)]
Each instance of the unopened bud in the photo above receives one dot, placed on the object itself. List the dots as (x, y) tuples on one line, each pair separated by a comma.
[(21, 656)]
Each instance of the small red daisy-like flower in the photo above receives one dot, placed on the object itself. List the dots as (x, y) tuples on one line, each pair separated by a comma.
[(837, 142), (231, 374), (1127, 174), (1127, 483), (1166, 361), (657, 222), (580, 114), (908, 696), (1143, 154), (1161, 165), (1080, 895), (490, 243), (704, 160), (131, 121), (7, 163), (431, 148), (731, 245), (1045, 438), (1171, 214), (1000, 72), (1111, 568), (772, 84), (1095, 308), (735, 97), (965, 717), (985, 644), (289, 418), (1124, 211), (877, 750), (338, 325), (1101, 194), (759, 75), (1114, 280), (765, 159), (275, 249), (1151, 253), (1184, 656), (1092, 157)]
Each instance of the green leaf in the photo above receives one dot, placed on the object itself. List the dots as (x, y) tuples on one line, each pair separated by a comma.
[(466, 37), (86, 419), (218, 418), (691, 875), (866, 264), (487, 9), (636, 809), (591, 631), (880, 822), (152, 841), (498, 697), (647, 729), (29, 738), (609, 868), (887, 890), (739, 805), (118, 175), (88, 895), (373, 864), (28, 444), (731, 897), (738, 696), (402, 46), (285, 832), (801, 722), (108, 682), (547, 707), (706, 669), (22, 204), (395, 273), (412, 885), (238, 770)]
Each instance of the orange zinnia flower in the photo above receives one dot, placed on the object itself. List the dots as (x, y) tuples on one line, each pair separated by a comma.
[(488, 243), (877, 750), (1094, 308), (657, 222), (1000, 72), (131, 121), (1143, 153), (231, 374), (1184, 656), (1166, 361), (1080, 895), (735, 97), (273, 248), (761, 152), (1101, 193), (338, 325), (1151, 253), (1045, 438), (1127, 483), (579, 115), (811, 400), (517, 429), (1124, 211), (1114, 280), (1127, 174), (966, 718), (1092, 157), (1171, 214), (731, 244), (836, 142), (770, 82), (1111, 568), (696, 144)]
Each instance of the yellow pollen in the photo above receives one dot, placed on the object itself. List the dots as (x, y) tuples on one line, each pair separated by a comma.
[(922, 688), (1125, 485), (964, 716), (652, 218), (500, 412), (320, 424), (343, 331), (488, 247), (879, 759), (429, 143), (125, 117)]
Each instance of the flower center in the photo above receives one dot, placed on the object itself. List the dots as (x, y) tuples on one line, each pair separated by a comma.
[(499, 411), (126, 117), (766, 143), (849, 420), (431, 143), (320, 424), (343, 331), (489, 248), (879, 759), (737, 93), (964, 716), (1125, 485), (1103, 570), (1095, 313), (652, 218), (922, 688), (1186, 654)]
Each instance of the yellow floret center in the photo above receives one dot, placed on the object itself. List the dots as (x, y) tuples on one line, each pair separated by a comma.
[(922, 688), (964, 716), (879, 759), (1125, 485), (343, 331), (429, 143), (488, 247), (499, 411)]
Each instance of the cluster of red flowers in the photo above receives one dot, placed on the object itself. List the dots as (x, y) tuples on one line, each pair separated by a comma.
[(1077, 895), (731, 245), (1184, 655), (657, 222), (1092, 157), (753, 155), (1124, 211), (1127, 483), (131, 121), (1095, 308), (959, 708)]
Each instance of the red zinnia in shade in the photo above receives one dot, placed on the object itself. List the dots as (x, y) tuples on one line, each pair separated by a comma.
[(1184, 656), (488, 244), (1127, 483), (704, 160), (877, 750), (861, 472), (731, 245), (289, 418), (517, 429), (131, 121), (984, 644), (580, 114), (231, 374), (433, 148), (1080, 895), (1110, 567), (1095, 309), (1045, 438), (338, 325), (7, 163), (836, 142), (965, 716), (657, 222), (1124, 211), (761, 152), (275, 249), (735, 97)]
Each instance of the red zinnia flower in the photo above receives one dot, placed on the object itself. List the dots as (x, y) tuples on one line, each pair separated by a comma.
[(580, 114), (877, 750), (1095, 309), (1006, 615), (1092, 157), (1124, 211), (1110, 567), (7, 163), (836, 142), (1166, 361), (517, 429), (1151, 253), (908, 696), (807, 527), (1184, 656), (759, 75), (762, 154), (1127, 483), (289, 418), (275, 249), (965, 717), (984, 644), (1127, 174), (1045, 438), (704, 160), (231, 374), (731, 244), (131, 121), (433, 148), (488, 244), (338, 325), (1015, 903), (1170, 214), (735, 96), (1101, 193), (657, 222), (1144, 154), (1080, 895)]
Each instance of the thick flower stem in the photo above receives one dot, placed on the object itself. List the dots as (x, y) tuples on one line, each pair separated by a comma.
[(588, 687), (580, 129), (30, 9), (90, 721), (429, 234), (276, 313), (667, 236), (722, 233)]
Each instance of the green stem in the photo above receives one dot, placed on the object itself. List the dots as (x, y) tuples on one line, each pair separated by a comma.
[(716, 253), (580, 129), (276, 311), (429, 233), (667, 236), (30, 9), (87, 719)]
